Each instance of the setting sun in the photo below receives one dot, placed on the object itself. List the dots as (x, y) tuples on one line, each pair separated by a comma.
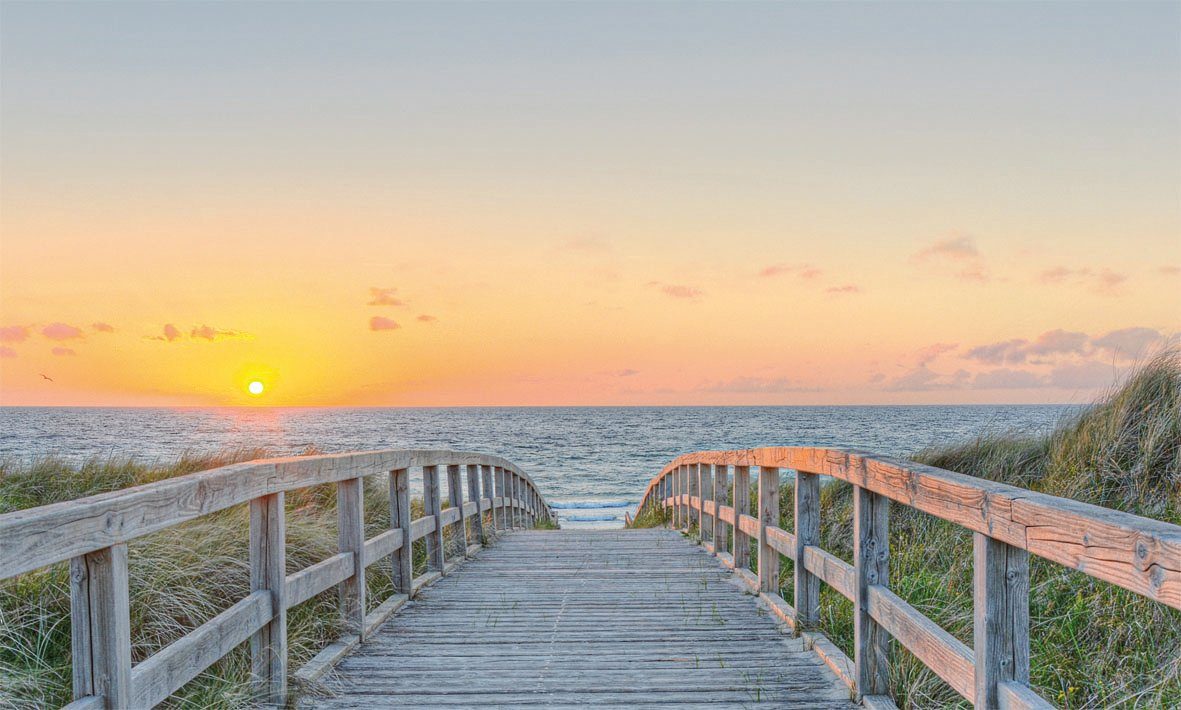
[(255, 387)]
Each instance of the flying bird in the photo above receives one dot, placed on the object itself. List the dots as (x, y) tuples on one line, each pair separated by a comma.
[(45, 376)]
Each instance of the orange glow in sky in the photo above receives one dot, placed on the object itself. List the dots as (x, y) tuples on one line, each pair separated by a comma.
[(757, 204)]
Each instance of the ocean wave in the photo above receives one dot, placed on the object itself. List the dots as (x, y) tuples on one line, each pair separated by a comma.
[(590, 504)]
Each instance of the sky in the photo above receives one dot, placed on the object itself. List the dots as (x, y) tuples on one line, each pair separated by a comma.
[(585, 203)]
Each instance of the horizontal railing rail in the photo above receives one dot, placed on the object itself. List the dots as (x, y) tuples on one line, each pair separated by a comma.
[(1008, 523), (93, 532)]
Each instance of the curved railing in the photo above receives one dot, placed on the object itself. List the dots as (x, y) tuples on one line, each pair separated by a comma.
[(1008, 523), (93, 533)]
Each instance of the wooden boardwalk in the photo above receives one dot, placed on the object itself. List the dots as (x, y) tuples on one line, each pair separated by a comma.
[(623, 618)]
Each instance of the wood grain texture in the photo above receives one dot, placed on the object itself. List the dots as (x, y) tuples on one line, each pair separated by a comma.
[(1137, 553), (721, 487), (432, 506), (567, 619), (944, 654), (268, 643), (1000, 583), (106, 650), (740, 539), (871, 564), (320, 577), (768, 517), (402, 572), (350, 516), (807, 522)]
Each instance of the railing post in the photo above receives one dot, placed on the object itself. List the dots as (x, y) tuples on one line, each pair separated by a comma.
[(807, 516), (768, 516), (455, 498), (676, 494), (350, 516), (268, 572), (1001, 619), (693, 475), (488, 492), (100, 615), (500, 514), (721, 479), (706, 486), (871, 562), (741, 547), (432, 504), (473, 494), (402, 562)]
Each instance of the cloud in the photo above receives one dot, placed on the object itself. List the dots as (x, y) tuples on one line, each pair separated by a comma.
[(101, 327), (1102, 281), (1058, 341), (384, 297), (919, 379), (847, 288), (1129, 343), (6, 351), (958, 249), (61, 331), (751, 385), (1005, 378), (63, 352), (424, 318), (1169, 270), (1088, 374), (171, 334), (206, 332), (14, 333), (381, 323), (926, 355), (803, 271), (996, 353), (678, 290), (625, 372)]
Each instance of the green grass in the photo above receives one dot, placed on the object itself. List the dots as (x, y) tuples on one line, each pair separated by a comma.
[(180, 578), (1094, 645)]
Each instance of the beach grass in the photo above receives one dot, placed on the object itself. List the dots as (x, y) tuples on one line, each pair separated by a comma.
[(180, 578), (1093, 645)]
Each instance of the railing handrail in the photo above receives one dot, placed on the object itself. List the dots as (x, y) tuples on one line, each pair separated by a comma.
[(1008, 522), (85, 525), (93, 532)]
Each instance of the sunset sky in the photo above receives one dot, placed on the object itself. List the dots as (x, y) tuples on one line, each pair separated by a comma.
[(585, 204)]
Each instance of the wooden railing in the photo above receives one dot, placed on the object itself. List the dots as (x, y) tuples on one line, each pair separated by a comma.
[(1008, 523), (92, 533)]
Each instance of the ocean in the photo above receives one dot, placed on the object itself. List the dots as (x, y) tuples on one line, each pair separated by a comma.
[(592, 463)]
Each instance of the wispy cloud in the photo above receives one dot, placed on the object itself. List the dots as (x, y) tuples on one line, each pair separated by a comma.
[(424, 318), (803, 271), (6, 351), (960, 250), (384, 297), (924, 356), (1169, 270), (678, 290), (1101, 281), (847, 289), (1130, 343), (1004, 379), (756, 385), (625, 372), (61, 331), (1088, 374), (207, 332), (995, 353), (14, 333), (171, 334), (101, 327), (382, 323), (63, 352)]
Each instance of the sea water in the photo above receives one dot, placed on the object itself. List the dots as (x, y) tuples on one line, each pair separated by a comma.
[(592, 463)]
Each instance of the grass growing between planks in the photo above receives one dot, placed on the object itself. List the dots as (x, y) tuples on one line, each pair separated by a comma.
[(180, 578), (1093, 644)]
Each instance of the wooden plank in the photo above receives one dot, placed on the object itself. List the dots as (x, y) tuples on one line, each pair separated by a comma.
[(833, 657), (726, 515), (422, 527), (721, 484), (320, 577), (473, 494), (268, 644), (943, 653), (165, 672), (807, 523), (871, 555), (87, 702), (102, 578), (705, 486), (432, 504), (741, 539), (693, 479), (486, 503), (834, 571), (749, 526), (781, 541), (768, 517), (1016, 696), (350, 516), (81, 638), (382, 545), (498, 481), (1000, 581), (451, 516), (402, 562)]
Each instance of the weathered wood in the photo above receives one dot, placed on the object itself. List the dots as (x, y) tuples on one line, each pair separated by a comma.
[(422, 527), (768, 517), (453, 516), (834, 571), (833, 657), (432, 505), (489, 494), (1012, 695), (943, 653), (499, 518), (807, 522), (382, 545), (871, 556), (102, 648), (1000, 581), (350, 516), (720, 535), (1133, 552), (693, 475), (320, 577), (170, 668), (268, 575), (473, 494), (402, 561), (741, 494), (781, 541), (709, 516)]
